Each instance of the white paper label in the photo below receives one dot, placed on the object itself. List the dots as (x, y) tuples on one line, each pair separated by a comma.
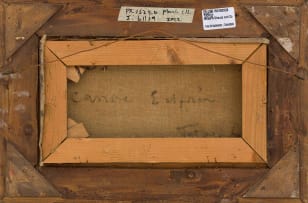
[(156, 14), (218, 18)]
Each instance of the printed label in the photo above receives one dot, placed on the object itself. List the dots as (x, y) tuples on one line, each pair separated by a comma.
[(218, 18), (156, 14)]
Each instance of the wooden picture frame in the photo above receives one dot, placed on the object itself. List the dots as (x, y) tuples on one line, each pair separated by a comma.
[(22, 179), (58, 147)]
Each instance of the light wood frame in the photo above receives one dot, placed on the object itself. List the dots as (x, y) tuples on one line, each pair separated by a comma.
[(59, 148)]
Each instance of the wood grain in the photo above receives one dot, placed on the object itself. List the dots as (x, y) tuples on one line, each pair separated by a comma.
[(149, 52), (283, 22), (21, 25), (55, 118), (23, 180), (84, 19), (31, 200), (154, 151), (206, 185), (3, 162), (55, 200), (272, 2), (139, 185), (303, 61), (2, 31), (166, 3), (304, 143), (171, 52), (270, 200), (304, 105), (283, 103), (4, 104), (304, 166), (269, 187), (3, 137), (281, 86), (23, 98), (254, 88), (2, 165)]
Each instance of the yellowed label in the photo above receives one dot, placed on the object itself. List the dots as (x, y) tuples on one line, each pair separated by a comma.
[(156, 14)]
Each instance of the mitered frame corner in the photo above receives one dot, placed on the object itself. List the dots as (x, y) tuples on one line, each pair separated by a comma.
[(57, 148)]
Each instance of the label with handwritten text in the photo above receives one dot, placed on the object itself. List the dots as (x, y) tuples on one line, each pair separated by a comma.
[(218, 18), (156, 14)]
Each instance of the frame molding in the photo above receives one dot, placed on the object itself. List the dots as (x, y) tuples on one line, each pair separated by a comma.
[(58, 148), (287, 102)]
